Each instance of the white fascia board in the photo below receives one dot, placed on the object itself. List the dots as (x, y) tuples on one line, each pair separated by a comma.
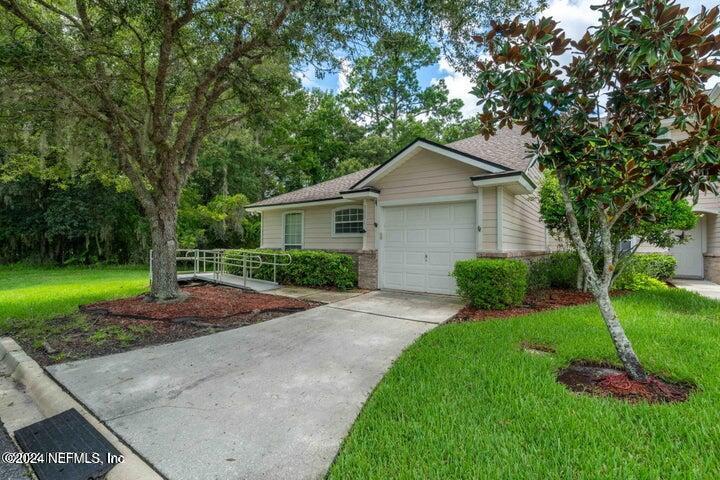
[(286, 206), (361, 195), (517, 184), (422, 145)]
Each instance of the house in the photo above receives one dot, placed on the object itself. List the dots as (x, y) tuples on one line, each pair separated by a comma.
[(407, 221)]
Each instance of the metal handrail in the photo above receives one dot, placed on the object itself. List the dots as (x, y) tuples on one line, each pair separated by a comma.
[(218, 260)]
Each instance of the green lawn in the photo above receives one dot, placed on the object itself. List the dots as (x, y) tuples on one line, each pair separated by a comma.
[(29, 295), (466, 402)]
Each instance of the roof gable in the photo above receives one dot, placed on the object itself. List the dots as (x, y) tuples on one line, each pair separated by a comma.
[(421, 144)]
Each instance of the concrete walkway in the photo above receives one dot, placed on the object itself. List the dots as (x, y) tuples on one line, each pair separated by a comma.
[(271, 400), (703, 287)]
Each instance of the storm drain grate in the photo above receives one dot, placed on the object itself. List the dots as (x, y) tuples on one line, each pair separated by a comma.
[(67, 447)]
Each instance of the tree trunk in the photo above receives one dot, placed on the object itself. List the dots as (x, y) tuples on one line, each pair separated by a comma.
[(624, 348), (580, 279), (164, 250)]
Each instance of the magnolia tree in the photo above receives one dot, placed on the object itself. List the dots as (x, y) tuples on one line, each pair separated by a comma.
[(602, 122)]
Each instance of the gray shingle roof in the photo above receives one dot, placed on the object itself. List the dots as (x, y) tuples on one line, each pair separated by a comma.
[(506, 148), (320, 191)]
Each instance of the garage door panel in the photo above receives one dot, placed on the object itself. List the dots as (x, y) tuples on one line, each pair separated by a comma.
[(415, 215), (394, 216), (464, 213), (463, 236), (395, 236), (416, 236), (439, 213), (439, 259), (439, 235), (414, 259)]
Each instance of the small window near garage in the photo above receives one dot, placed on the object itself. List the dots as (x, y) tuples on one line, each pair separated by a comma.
[(348, 221), (293, 230)]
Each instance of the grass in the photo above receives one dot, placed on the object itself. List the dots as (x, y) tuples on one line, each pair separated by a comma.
[(31, 295), (465, 401)]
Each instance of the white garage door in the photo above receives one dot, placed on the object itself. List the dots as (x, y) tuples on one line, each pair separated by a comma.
[(421, 244)]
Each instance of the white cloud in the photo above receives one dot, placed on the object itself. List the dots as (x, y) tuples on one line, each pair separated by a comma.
[(345, 69), (458, 86)]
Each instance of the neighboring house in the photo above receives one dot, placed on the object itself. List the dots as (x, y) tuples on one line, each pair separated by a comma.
[(409, 220), (699, 256)]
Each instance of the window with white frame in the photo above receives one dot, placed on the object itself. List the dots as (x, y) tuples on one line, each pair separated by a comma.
[(348, 221), (293, 230)]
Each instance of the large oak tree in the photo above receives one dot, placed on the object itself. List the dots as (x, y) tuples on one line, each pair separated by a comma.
[(155, 78)]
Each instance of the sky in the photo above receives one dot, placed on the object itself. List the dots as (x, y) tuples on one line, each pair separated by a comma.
[(575, 16)]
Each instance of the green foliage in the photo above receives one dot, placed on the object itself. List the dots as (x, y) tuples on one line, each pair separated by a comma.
[(308, 268), (469, 389), (219, 223), (641, 267), (656, 229), (636, 282), (29, 295), (538, 276), (562, 269), (491, 283), (657, 265)]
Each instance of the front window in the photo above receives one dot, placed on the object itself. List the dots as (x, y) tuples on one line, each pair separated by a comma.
[(348, 221), (293, 231)]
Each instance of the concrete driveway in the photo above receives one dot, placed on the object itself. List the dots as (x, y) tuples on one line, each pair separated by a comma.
[(271, 400)]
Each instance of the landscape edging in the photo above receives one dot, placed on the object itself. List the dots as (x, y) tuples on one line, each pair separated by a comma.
[(51, 399)]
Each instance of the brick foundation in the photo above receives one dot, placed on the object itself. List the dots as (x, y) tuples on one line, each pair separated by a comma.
[(712, 268), (367, 261)]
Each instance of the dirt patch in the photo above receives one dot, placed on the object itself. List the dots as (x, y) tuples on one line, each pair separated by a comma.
[(119, 325), (536, 348), (538, 301), (606, 380)]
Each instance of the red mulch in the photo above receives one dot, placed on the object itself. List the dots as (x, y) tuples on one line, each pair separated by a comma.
[(120, 325), (204, 303), (608, 381), (534, 302)]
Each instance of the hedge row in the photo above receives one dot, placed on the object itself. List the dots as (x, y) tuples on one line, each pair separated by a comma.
[(308, 268)]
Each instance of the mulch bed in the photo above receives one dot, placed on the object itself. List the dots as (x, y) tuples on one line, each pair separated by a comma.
[(119, 325), (606, 380), (205, 306), (538, 301)]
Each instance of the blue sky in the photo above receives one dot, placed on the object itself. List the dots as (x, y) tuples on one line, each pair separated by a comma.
[(574, 16)]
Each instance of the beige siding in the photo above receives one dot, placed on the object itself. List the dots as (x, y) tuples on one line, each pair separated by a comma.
[(489, 226), (317, 225), (713, 233), (427, 174), (522, 227)]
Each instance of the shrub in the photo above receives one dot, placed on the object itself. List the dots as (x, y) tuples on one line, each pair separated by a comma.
[(308, 268), (657, 265), (562, 269), (638, 282), (491, 283), (538, 274)]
